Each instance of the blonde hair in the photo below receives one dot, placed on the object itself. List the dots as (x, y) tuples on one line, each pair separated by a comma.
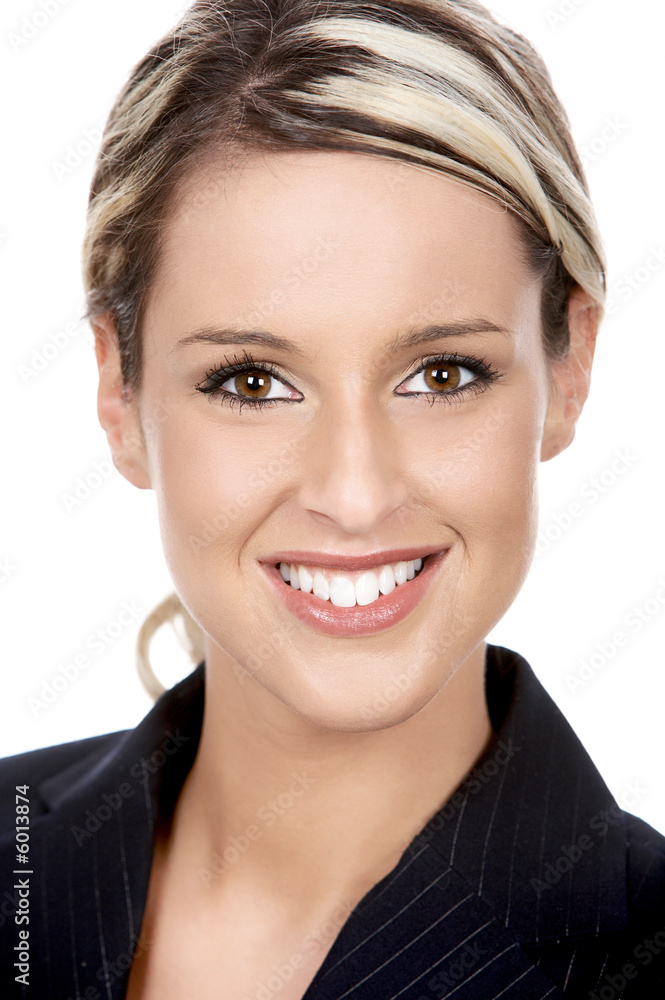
[(173, 611), (441, 84)]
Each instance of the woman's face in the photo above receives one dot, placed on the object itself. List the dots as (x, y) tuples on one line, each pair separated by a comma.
[(378, 432)]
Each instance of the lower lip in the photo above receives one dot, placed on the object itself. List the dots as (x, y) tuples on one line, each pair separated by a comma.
[(387, 611)]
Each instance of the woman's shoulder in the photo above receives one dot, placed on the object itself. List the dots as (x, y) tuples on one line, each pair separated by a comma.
[(628, 960), (27, 771), (75, 774), (645, 873)]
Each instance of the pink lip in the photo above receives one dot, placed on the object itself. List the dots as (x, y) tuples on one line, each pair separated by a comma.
[(324, 617), (334, 560)]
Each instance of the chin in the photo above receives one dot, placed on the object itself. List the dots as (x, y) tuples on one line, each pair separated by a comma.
[(350, 707), (357, 718)]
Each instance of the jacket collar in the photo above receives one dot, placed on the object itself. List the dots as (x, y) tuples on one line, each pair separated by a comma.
[(529, 850), (534, 827)]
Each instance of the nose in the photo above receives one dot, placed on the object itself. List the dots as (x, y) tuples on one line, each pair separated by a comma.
[(352, 467)]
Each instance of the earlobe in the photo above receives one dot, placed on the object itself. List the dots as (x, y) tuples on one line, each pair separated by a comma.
[(117, 413), (570, 376)]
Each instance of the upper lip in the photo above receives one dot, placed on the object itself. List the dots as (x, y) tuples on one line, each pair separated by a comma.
[(337, 560)]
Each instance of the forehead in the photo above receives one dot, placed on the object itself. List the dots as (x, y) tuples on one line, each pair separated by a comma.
[(294, 232)]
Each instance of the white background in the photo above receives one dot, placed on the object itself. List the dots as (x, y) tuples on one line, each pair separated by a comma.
[(66, 573)]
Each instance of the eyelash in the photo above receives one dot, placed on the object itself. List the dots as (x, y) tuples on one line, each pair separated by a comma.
[(215, 378)]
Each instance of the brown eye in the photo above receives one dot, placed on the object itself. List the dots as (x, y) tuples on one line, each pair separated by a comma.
[(253, 384), (438, 378), (441, 378)]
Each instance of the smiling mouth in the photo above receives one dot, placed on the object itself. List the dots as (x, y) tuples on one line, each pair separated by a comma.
[(348, 589)]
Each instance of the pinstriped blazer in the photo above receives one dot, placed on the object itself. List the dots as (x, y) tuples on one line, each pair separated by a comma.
[(528, 883)]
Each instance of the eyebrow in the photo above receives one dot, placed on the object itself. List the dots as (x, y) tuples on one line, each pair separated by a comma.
[(412, 338), (232, 335), (436, 331)]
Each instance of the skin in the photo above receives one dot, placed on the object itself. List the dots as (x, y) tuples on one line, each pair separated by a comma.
[(353, 467)]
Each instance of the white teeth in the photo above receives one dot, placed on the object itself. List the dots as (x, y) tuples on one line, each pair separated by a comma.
[(306, 580), (342, 590), (367, 588), (321, 586), (387, 580)]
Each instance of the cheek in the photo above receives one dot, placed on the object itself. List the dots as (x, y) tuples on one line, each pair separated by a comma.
[(505, 473), (480, 478), (214, 487)]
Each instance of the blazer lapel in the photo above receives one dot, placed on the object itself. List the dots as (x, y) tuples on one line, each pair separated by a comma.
[(517, 858), (422, 933)]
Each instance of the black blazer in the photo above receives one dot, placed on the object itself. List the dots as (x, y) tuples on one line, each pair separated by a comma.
[(529, 882)]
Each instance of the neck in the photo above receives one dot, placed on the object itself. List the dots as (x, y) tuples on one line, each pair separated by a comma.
[(272, 799)]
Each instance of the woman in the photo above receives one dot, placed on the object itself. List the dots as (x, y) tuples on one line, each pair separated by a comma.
[(345, 281)]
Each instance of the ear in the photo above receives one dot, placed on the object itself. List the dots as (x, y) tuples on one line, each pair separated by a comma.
[(570, 376), (118, 414)]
